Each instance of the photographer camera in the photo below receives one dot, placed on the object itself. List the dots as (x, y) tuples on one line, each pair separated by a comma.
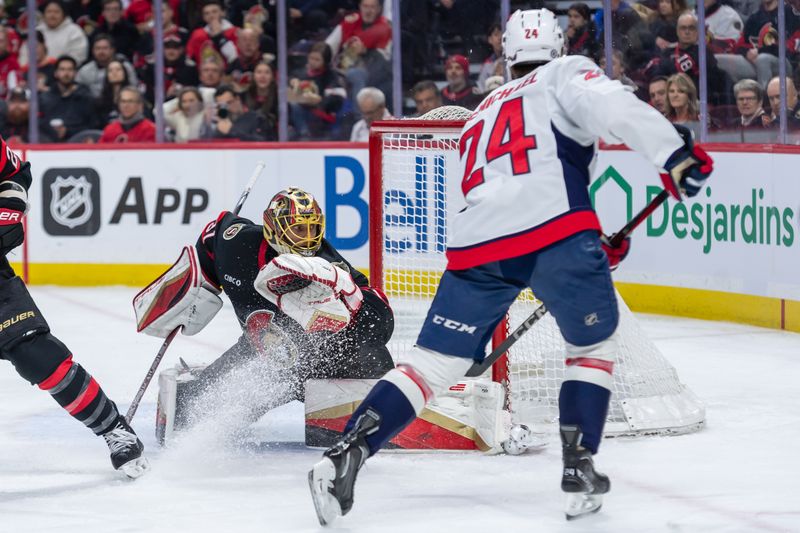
[(233, 121)]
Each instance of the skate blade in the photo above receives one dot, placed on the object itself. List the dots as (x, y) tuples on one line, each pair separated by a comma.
[(320, 479), (580, 505), (136, 467)]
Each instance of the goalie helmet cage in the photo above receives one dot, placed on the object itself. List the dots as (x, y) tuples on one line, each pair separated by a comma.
[(414, 191)]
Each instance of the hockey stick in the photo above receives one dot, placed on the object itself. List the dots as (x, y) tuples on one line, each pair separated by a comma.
[(160, 355), (615, 240)]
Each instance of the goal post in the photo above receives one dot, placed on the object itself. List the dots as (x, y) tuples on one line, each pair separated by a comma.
[(414, 193)]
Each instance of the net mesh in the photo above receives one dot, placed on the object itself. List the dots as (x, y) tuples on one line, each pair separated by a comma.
[(421, 191)]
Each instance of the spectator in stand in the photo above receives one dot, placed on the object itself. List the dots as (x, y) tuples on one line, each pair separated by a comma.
[(759, 42), (240, 69), (362, 46), (93, 73), (140, 12), (460, 90), (211, 73), (45, 66), (657, 89), (256, 19), (682, 105), (124, 35), (131, 126), (14, 126), (261, 95), (178, 71), (426, 96), (792, 104), (315, 95), (170, 29), (107, 104), (494, 64), (372, 105), (663, 27), (218, 34), (62, 36), (185, 115), (724, 33), (618, 69), (9, 67), (463, 20), (581, 32), (684, 59), (630, 34), (749, 101), (233, 122), (306, 19), (68, 108)]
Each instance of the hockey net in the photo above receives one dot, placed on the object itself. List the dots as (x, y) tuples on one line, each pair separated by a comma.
[(414, 191)]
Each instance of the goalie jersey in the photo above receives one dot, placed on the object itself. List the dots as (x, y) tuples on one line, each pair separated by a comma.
[(231, 250), (526, 158)]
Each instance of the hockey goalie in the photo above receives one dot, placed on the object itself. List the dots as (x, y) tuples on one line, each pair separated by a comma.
[(312, 330)]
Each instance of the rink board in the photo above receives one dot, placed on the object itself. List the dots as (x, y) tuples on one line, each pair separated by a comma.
[(730, 254)]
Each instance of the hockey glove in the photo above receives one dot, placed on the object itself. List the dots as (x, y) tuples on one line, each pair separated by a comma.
[(13, 204), (687, 169), (617, 253)]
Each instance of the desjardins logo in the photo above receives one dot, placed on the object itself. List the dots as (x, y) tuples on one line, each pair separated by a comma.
[(754, 222)]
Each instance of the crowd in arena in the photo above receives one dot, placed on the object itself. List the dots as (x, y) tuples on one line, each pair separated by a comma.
[(97, 80)]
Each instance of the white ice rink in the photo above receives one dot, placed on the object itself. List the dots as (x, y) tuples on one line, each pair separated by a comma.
[(739, 474)]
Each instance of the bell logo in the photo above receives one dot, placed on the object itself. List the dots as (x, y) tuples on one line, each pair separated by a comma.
[(454, 325)]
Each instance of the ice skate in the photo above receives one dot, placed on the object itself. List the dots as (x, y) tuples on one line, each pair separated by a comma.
[(126, 450), (582, 483), (332, 480)]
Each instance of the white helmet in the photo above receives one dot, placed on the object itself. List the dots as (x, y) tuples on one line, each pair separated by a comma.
[(532, 36)]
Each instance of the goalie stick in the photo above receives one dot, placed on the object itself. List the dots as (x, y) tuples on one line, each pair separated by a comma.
[(479, 368), (167, 341)]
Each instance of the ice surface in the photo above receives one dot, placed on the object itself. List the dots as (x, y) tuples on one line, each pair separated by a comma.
[(736, 475)]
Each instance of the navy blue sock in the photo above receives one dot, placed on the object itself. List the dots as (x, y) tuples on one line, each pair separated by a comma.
[(395, 410), (586, 405)]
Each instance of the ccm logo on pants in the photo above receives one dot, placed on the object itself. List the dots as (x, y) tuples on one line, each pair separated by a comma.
[(452, 324)]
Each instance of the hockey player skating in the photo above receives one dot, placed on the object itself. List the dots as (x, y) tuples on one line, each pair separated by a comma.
[(526, 156), (304, 310), (37, 355)]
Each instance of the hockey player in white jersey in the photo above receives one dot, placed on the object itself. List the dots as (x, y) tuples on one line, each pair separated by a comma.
[(526, 155)]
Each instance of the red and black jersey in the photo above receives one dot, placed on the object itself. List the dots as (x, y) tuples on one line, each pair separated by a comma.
[(761, 32), (231, 251)]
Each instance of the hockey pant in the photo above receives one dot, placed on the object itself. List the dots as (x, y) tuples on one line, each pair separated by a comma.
[(43, 360), (571, 277)]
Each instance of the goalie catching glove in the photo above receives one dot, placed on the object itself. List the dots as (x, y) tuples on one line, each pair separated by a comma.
[(687, 169), (179, 297), (316, 294)]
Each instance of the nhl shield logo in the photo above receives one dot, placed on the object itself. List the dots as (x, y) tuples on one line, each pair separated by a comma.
[(71, 201)]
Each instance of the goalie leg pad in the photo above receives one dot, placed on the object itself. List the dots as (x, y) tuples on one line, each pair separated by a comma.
[(401, 394)]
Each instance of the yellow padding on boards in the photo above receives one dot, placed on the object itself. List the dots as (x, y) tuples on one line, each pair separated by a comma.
[(711, 305), (696, 303), (91, 275)]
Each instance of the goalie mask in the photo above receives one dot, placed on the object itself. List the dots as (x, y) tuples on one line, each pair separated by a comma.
[(294, 223)]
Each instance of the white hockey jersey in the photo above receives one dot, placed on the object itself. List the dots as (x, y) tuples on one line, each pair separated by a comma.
[(526, 156)]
